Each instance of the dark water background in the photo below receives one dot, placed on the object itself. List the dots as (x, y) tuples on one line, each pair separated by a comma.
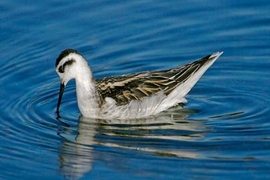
[(223, 132)]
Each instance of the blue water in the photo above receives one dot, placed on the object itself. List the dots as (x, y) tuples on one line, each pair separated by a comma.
[(222, 133)]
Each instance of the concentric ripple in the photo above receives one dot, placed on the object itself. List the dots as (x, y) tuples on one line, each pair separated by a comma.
[(222, 133), (28, 121), (216, 115)]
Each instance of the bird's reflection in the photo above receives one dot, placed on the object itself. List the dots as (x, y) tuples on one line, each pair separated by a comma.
[(76, 157)]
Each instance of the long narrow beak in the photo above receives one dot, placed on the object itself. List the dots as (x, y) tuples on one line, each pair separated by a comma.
[(61, 92)]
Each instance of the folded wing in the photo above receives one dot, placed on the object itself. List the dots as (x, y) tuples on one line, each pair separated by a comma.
[(126, 88)]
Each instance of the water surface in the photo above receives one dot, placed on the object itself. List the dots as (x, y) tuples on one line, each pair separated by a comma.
[(222, 133)]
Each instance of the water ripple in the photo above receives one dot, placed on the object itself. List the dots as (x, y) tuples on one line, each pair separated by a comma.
[(224, 128)]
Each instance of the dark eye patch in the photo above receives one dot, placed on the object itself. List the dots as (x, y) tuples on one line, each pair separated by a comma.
[(64, 54), (61, 69)]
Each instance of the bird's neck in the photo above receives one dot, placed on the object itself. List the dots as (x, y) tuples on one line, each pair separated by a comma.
[(87, 95)]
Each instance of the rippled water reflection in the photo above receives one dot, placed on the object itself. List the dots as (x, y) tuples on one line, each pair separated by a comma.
[(100, 140), (222, 133)]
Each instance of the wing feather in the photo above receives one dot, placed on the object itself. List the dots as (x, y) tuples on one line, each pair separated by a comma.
[(126, 88)]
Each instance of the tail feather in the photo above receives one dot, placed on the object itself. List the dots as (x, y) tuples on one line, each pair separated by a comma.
[(192, 75)]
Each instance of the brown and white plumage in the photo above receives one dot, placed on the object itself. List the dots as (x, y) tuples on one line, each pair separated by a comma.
[(129, 96)]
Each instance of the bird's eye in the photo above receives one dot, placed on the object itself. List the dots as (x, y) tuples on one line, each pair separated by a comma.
[(61, 69)]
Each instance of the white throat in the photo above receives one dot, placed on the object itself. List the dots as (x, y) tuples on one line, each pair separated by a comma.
[(87, 95)]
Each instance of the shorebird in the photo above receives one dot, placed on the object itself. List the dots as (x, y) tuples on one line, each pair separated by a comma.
[(129, 96)]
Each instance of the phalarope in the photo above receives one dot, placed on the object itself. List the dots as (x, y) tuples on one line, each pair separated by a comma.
[(128, 96)]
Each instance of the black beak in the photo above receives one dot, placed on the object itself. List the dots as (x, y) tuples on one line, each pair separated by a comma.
[(61, 92)]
